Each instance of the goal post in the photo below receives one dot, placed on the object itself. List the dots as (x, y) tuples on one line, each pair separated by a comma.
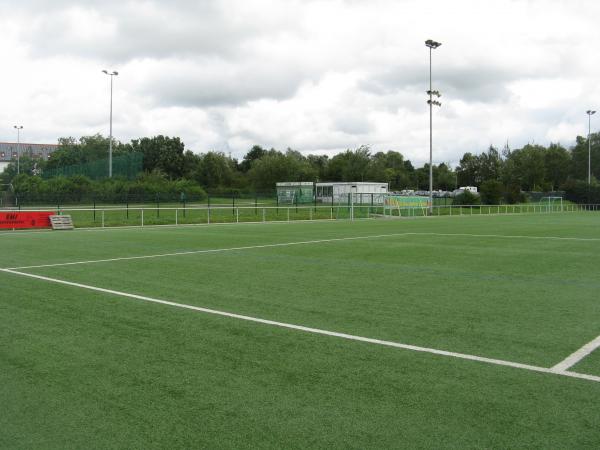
[(402, 205), (552, 203)]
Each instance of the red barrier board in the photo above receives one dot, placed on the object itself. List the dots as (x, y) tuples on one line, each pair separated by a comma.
[(16, 219)]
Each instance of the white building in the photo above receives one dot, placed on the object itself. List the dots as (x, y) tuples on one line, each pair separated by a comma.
[(362, 192), (463, 189)]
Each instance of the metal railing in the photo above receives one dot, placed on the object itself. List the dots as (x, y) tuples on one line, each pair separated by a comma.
[(150, 216)]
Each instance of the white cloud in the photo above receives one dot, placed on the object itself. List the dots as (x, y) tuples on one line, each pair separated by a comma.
[(318, 75)]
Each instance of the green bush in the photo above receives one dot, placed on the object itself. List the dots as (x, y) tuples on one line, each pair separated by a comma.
[(466, 198), (32, 190), (491, 192), (580, 191), (513, 194)]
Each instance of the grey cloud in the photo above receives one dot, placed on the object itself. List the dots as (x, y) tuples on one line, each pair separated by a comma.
[(141, 30), (353, 123), (483, 83), (220, 84)]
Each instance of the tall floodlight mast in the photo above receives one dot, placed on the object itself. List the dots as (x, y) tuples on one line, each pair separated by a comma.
[(112, 74), (590, 113), (431, 45)]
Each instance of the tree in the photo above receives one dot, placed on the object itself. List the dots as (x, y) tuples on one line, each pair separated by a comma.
[(162, 153), (319, 165), (528, 167), (475, 169), (422, 177), (191, 162), (351, 165), (468, 170), (215, 170), (391, 168), (490, 165), (579, 155), (71, 152), (557, 162), (491, 192), (276, 167), (443, 177), (253, 154)]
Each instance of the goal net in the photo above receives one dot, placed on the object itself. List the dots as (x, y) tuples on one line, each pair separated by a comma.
[(401, 205), (552, 203)]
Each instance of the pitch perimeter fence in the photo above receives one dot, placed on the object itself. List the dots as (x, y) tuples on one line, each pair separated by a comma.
[(149, 216)]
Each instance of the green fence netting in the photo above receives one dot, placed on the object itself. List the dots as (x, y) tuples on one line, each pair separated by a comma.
[(125, 166)]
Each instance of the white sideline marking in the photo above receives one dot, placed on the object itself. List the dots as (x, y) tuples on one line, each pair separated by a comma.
[(351, 337), (286, 244), (577, 356), (511, 236), (214, 250)]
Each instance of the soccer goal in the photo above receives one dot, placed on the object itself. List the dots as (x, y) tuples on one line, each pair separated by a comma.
[(405, 206), (552, 203)]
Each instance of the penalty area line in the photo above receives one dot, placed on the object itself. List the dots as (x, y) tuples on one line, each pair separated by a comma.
[(289, 244), (213, 250), (577, 356), (318, 331)]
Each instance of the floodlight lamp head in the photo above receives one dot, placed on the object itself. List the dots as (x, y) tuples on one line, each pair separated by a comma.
[(105, 71), (590, 112), (432, 44)]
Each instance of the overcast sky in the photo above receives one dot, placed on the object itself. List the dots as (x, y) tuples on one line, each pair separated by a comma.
[(317, 76)]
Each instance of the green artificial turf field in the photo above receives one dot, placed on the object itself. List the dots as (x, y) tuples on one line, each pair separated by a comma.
[(491, 304)]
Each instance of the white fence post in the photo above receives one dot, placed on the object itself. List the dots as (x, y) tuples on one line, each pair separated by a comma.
[(102, 218)]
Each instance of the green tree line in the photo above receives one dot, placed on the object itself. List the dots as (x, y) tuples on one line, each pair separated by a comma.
[(169, 166)]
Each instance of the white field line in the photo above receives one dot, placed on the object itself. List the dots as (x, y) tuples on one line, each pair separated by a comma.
[(287, 244), (318, 331), (509, 236), (215, 250), (577, 356)]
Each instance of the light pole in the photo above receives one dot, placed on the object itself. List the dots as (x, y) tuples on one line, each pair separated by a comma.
[(431, 45), (589, 113), (111, 75), (18, 128)]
